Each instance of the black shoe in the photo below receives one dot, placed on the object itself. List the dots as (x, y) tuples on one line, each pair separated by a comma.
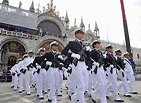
[(119, 100), (48, 90), (107, 97), (37, 95), (15, 89), (28, 94), (66, 87), (12, 86), (20, 91), (89, 95), (60, 95), (134, 92), (45, 92), (70, 97), (41, 98), (49, 100), (127, 95), (93, 100)]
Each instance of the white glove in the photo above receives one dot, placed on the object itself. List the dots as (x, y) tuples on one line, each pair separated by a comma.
[(93, 67), (88, 48), (122, 70), (96, 63), (38, 67), (104, 55), (48, 63), (111, 66), (75, 55), (60, 57)]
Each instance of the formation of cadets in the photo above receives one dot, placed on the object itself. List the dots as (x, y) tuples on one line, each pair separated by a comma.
[(88, 70)]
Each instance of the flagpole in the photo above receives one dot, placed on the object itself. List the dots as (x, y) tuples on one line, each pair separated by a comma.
[(126, 33)]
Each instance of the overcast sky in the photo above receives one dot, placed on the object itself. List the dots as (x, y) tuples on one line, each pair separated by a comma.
[(107, 14)]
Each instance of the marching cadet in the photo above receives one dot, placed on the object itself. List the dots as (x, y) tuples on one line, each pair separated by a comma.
[(15, 73), (21, 76), (129, 72), (42, 76), (121, 72), (99, 73), (28, 71), (111, 72), (77, 58), (53, 59)]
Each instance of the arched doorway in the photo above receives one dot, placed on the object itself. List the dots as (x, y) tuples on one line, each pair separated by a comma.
[(46, 44), (11, 61), (49, 27), (10, 52)]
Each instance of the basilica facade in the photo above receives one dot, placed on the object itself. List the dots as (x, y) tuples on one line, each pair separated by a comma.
[(23, 30)]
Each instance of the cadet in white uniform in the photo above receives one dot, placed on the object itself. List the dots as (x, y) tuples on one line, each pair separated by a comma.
[(22, 76), (130, 73), (28, 71), (53, 60), (41, 76), (121, 73), (78, 64), (15, 73), (111, 72), (99, 73)]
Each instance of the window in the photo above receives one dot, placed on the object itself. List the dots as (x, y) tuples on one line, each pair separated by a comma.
[(138, 56)]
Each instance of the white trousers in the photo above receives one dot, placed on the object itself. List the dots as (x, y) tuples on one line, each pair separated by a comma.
[(60, 73), (42, 79), (53, 83), (112, 79), (28, 80), (12, 81), (71, 83), (123, 82), (100, 90), (86, 79), (131, 80), (16, 81), (78, 75), (21, 82), (90, 81)]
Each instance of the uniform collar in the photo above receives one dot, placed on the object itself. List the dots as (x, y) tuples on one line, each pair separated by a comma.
[(54, 51), (78, 40)]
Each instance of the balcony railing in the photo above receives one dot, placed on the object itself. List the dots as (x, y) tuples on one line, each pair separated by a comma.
[(17, 34)]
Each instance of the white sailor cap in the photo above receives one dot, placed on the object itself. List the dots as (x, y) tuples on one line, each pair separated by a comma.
[(95, 41), (126, 53), (77, 28), (53, 43), (41, 49), (25, 55), (109, 46), (30, 51), (118, 50), (20, 59)]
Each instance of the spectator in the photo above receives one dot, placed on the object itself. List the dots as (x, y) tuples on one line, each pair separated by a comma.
[(4, 75)]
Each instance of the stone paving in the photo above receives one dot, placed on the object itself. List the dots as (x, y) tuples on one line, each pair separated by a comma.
[(7, 95)]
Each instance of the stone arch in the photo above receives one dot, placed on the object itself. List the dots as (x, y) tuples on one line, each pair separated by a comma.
[(11, 48), (54, 20), (12, 39), (47, 40)]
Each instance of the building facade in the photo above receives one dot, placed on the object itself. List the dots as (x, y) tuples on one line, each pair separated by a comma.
[(23, 30)]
